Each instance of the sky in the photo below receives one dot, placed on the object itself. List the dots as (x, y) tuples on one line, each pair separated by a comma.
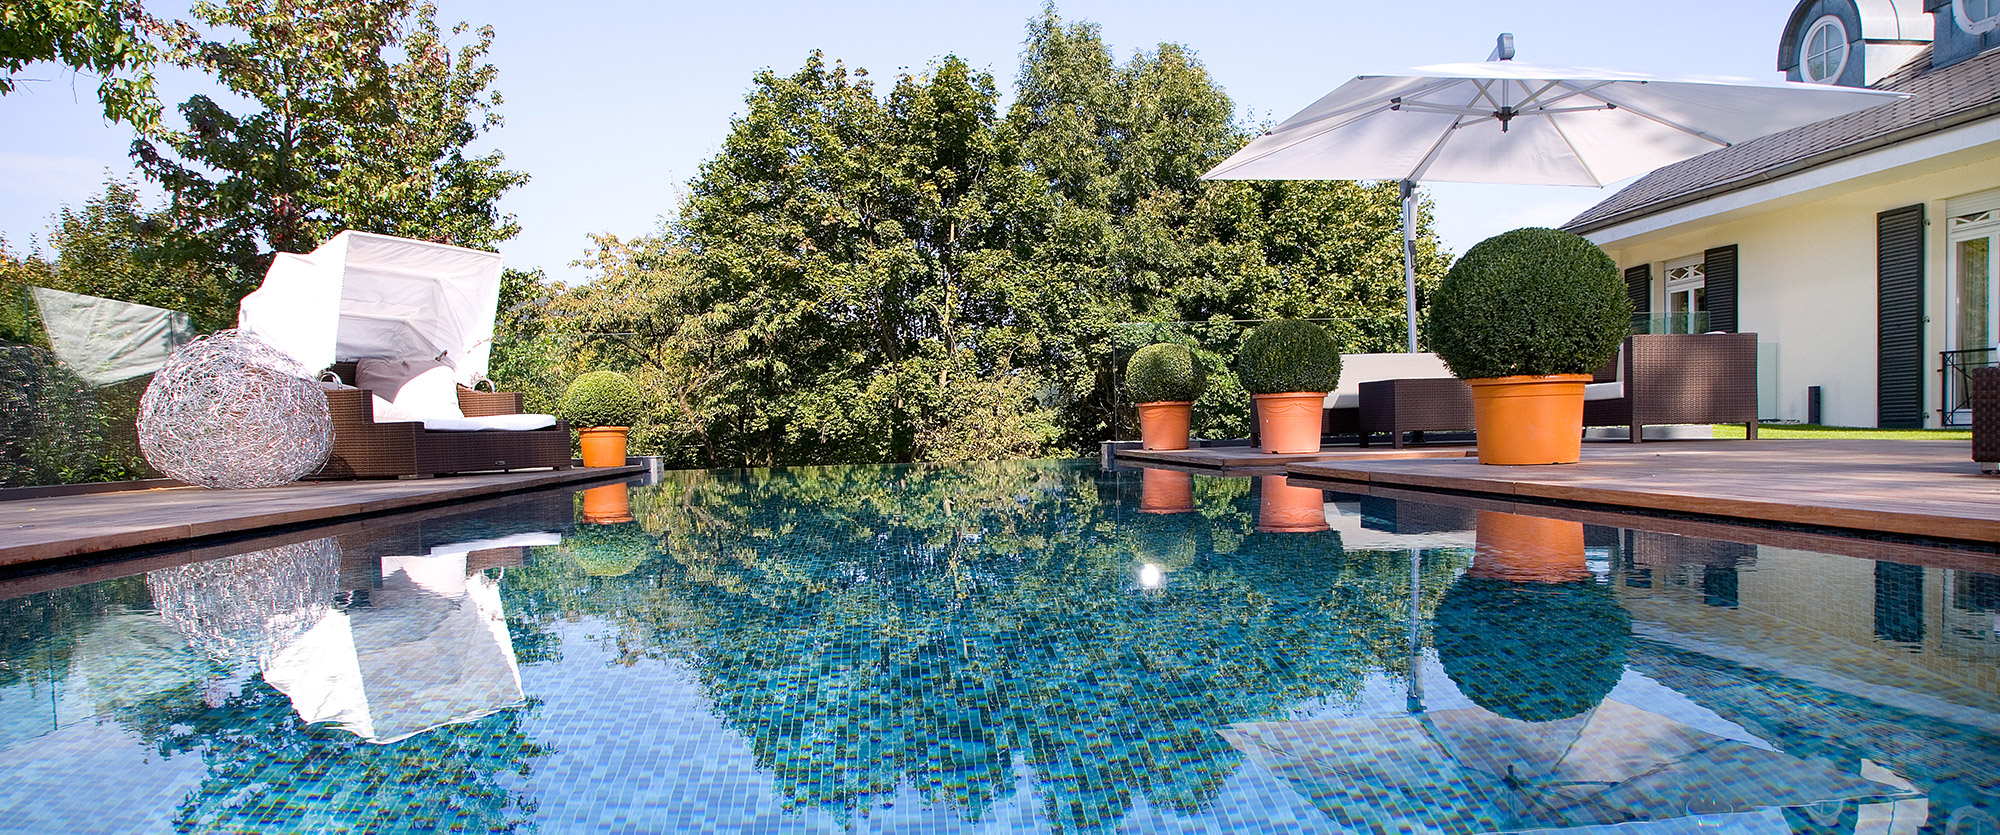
[(612, 105)]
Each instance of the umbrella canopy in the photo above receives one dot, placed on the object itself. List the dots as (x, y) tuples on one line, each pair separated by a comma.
[(1471, 770), (1498, 121), (105, 341), (367, 296)]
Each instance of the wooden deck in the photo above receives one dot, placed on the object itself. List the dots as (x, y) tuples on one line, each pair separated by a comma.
[(1928, 489), (1249, 458), (68, 526)]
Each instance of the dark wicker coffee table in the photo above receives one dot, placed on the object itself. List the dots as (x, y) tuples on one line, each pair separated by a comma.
[(1437, 404)]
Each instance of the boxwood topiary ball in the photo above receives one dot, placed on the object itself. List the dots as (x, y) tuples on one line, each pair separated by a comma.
[(1288, 355), (1529, 302), (1536, 652), (601, 398), (1165, 373)]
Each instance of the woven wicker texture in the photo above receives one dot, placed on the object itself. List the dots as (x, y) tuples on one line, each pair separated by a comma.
[(1683, 378), (363, 448), (230, 411), (1986, 415)]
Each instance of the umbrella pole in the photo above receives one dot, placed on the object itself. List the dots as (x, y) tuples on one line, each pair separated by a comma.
[(1409, 189), (1414, 697)]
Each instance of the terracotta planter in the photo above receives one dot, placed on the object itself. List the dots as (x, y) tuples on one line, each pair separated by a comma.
[(1529, 420), (1528, 549), (1290, 422), (607, 505), (1165, 491), (604, 446), (1164, 424), (1283, 508)]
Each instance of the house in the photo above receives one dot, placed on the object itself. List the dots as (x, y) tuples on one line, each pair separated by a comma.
[(1861, 249)]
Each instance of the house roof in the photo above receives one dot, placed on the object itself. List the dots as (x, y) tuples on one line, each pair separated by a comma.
[(1940, 98)]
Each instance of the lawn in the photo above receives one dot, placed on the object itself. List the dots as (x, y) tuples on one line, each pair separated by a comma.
[(1808, 430)]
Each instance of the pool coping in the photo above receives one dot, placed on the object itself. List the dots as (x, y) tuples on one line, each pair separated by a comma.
[(59, 527)]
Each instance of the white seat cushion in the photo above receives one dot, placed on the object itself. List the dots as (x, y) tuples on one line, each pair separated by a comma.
[(506, 423), (1356, 369), (406, 390), (1604, 391)]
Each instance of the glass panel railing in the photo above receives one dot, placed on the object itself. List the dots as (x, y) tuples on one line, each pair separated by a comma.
[(1695, 322)]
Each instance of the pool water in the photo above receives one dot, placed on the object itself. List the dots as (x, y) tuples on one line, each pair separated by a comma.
[(1034, 646)]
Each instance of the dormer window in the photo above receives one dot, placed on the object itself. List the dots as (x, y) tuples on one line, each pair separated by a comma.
[(1976, 16), (1825, 49)]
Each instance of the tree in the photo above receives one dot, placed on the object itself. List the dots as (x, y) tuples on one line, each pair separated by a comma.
[(108, 38), (361, 118)]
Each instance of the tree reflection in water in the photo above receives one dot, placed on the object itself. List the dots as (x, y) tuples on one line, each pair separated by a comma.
[(865, 628)]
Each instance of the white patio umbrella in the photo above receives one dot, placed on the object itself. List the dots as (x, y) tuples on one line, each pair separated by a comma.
[(1499, 121)]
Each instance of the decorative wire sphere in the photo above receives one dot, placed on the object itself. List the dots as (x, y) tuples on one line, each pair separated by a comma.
[(228, 410), (242, 608)]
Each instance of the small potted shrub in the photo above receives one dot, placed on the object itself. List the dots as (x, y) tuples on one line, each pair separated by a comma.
[(1288, 366), (1164, 380), (1524, 318), (602, 405)]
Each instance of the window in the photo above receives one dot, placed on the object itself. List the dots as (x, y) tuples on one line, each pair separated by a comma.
[(1687, 291), (1976, 16), (1825, 53)]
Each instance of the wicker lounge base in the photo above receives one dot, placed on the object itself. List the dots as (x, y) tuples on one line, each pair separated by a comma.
[(363, 448), (1986, 419)]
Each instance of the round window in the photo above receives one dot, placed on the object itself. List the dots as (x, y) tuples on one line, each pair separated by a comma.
[(1976, 16), (1825, 53)]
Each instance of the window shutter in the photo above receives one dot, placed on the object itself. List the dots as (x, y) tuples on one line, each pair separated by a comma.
[(1639, 288), (1899, 317), (1719, 265)]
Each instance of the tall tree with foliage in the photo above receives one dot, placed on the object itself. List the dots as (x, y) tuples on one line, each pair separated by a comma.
[(361, 117), (106, 38)]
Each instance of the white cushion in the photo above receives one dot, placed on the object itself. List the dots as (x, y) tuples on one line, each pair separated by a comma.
[(514, 541), (508, 423), (1604, 391), (1356, 369), (409, 389)]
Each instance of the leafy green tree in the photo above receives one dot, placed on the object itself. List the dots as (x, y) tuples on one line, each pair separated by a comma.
[(107, 38), (360, 116)]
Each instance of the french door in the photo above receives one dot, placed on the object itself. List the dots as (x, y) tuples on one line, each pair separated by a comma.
[(1974, 266)]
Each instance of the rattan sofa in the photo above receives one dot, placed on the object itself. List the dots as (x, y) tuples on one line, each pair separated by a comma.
[(1986, 418), (363, 448), (1679, 378)]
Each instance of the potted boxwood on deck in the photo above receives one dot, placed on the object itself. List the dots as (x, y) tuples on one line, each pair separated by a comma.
[(1165, 380), (1524, 318), (1288, 366), (603, 405)]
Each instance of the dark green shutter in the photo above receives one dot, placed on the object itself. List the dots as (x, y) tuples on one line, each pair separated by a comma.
[(1639, 288), (1718, 267), (1899, 298)]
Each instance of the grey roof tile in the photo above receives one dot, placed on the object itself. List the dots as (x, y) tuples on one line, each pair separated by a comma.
[(1959, 90)]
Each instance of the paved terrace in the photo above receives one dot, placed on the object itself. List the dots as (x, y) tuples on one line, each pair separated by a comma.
[(1926, 489), (53, 527)]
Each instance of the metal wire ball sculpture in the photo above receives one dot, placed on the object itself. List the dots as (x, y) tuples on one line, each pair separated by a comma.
[(228, 410)]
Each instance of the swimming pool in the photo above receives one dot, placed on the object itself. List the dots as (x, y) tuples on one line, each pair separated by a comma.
[(1034, 646)]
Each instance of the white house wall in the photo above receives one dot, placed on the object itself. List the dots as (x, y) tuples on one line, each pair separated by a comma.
[(1807, 272)]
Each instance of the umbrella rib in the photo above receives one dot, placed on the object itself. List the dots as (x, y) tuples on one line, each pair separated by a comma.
[(1420, 91), (1580, 161), (1669, 123), (1227, 167), (1437, 148)]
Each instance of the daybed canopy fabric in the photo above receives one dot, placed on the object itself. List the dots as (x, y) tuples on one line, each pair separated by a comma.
[(367, 296)]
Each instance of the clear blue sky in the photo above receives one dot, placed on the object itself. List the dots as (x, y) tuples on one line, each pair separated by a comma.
[(612, 105)]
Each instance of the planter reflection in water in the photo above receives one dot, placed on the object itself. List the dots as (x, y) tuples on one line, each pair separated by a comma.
[(1165, 491), (1528, 549), (1284, 508), (609, 504), (1529, 420)]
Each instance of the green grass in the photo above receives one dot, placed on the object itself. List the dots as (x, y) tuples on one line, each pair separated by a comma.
[(1807, 430)]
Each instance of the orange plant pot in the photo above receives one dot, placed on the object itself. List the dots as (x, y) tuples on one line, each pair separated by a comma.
[(1528, 549), (606, 505), (1284, 508), (1165, 491), (604, 446), (1525, 420), (1164, 424), (1289, 423)]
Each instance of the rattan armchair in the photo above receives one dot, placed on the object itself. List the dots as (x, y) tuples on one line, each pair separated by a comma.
[(1986, 418), (1682, 378), (363, 448)]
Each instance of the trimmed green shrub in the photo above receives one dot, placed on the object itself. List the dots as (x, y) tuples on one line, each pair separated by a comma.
[(1536, 652), (601, 398), (1530, 301), (1288, 355), (1165, 372), (612, 550)]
